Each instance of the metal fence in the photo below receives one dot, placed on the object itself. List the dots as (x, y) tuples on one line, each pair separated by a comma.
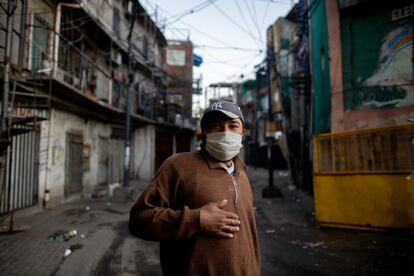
[(79, 70), (381, 150), (19, 185)]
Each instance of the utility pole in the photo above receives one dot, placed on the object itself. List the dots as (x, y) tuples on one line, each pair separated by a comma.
[(412, 49), (127, 159), (5, 139), (9, 10), (270, 191)]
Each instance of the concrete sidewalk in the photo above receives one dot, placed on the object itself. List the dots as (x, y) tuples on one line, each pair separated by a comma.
[(102, 245)]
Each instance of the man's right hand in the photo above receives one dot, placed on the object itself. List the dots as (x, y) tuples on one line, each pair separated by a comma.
[(215, 220)]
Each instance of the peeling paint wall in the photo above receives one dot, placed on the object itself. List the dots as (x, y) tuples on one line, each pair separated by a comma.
[(376, 56), (366, 94), (320, 68), (43, 158), (62, 123), (143, 152), (335, 63)]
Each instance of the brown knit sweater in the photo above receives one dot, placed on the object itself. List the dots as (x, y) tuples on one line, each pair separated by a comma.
[(167, 211)]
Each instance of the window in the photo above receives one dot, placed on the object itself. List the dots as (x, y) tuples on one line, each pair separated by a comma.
[(145, 47), (38, 45), (116, 22)]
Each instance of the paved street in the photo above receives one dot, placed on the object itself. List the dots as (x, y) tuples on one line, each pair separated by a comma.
[(291, 244)]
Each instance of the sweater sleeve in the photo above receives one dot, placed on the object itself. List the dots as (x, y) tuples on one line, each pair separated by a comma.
[(152, 218)]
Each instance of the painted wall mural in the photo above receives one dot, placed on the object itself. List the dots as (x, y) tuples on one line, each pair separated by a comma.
[(394, 71), (377, 51)]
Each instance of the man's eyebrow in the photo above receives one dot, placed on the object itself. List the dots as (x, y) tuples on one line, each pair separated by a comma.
[(235, 120)]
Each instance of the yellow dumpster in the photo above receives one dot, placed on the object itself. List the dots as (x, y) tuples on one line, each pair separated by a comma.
[(361, 178)]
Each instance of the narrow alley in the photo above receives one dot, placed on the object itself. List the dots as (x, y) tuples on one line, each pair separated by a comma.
[(316, 97), (291, 243)]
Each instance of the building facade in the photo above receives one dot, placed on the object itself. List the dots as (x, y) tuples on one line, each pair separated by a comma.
[(75, 69), (288, 70), (362, 79)]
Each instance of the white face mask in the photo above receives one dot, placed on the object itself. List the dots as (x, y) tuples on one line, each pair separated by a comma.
[(224, 145)]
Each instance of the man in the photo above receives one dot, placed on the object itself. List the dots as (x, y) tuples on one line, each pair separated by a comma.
[(199, 205)]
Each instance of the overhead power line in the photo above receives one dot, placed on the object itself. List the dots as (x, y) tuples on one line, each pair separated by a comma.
[(264, 15), (200, 31), (254, 19), (221, 60), (244, 19), (255, 13), (287, 2), (192, 10), (234, 22), (225, 45), (243, 67), (228, 48)]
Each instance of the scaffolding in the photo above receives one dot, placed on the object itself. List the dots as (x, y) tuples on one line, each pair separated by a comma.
[(25, 102)]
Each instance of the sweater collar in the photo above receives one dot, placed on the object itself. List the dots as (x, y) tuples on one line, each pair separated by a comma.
[(214, 164)]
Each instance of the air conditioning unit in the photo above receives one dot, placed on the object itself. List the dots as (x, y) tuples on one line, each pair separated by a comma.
[(129, 9)]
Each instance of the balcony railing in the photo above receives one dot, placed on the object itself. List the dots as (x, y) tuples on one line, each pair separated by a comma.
[(75, 68)]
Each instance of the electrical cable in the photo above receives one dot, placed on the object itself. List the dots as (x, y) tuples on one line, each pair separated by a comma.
[(275, 2), (193, 10), (83, 35), (227, 48), (244, 19), (255, 16), (71, 44), (241, 56), (222, 63), (242, 68), (234, 22), (225, 43), (183, 31), (264, 15), (221, 42), (75, 20), (202, 32), (51, 13), (228, 60), (72, 26), (253, 20)]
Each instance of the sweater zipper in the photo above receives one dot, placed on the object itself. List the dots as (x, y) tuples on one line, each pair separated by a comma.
[(236, 194)]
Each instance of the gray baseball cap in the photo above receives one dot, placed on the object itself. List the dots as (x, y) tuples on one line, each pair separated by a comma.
[(230, 109)]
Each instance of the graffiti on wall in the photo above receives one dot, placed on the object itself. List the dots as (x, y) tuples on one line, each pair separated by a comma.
[(377, 52), (57, 152), (391, 84), (44, 144)]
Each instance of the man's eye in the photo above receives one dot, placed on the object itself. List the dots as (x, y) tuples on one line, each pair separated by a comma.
[(214, 126)]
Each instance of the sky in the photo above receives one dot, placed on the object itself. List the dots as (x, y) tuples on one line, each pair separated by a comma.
[(230, 35)]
